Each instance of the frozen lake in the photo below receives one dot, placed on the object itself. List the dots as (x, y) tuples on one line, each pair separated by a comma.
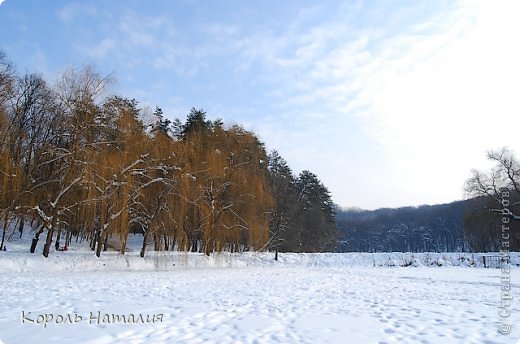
[(258, 304)]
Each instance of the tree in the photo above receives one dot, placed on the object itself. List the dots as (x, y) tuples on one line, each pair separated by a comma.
[(160, 123), (77, 162), (227, 169), (9, 173), (303, 218), (59, 173), (499, 189), (26, 128), (195, 122), (151, 202), (10, 178), (7, 77), (282, 183), (316, 216), (122, 174)]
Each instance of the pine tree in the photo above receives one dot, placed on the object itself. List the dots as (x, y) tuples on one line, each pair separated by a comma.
[(282, 185), (160, 123), (195, 122), (316, 216)]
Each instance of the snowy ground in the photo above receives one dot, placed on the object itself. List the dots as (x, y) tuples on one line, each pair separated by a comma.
[(275, 304), (249, 298)]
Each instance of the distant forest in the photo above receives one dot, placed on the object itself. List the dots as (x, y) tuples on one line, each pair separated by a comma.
[(438, 228), (78, 163), (462, 226)]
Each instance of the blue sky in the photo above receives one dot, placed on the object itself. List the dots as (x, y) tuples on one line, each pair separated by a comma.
[(389, 103)]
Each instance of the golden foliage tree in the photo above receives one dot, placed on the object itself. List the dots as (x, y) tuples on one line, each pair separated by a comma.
[(82, 164)]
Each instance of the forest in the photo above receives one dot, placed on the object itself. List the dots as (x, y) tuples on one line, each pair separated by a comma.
[(78, 163), (438, 228)]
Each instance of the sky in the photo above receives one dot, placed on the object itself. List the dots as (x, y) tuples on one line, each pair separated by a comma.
[(390, 103)]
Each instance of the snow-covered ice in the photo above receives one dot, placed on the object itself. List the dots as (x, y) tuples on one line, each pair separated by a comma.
[(250, 298), (299, 300)]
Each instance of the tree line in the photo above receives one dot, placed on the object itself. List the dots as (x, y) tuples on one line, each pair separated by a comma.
[(78, 163), (428, 228)]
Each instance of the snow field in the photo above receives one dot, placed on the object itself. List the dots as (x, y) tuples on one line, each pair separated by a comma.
[(378, 298), (262, 304)]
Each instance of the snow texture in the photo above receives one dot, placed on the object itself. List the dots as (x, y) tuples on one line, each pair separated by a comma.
[(250, 298)]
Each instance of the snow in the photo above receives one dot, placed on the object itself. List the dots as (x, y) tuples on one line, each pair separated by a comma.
[(83, 260), (250, 298), (261, 304)]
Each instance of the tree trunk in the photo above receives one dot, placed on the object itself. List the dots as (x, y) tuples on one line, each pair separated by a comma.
[(100, 242), (57, 243), (35, 239), (3, 238), (105, 240), (20, 226), (156, 242), (50, 233), (68, 238), (94, 240), (166, 243), (6, 220), (143, 248), (123, 245), (208, 247)]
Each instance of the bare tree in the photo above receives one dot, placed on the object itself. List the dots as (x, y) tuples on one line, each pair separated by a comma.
[(499, 190), (503, 178), (7, 76), (60, 168)]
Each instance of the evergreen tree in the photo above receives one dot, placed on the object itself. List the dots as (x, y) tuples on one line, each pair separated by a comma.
[(195, 122), (160, 123), (316, 215), (282, 185)]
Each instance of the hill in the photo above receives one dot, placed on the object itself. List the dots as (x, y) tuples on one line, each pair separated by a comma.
[(427, 228)]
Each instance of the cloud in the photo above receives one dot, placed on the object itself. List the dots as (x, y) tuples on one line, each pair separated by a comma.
[(438, 106), (221, 31), (101, 50), (129, 39), (388, 105), (75, 10), (430, 100)]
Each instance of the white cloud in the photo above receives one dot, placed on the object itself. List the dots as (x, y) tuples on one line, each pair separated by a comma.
[(221, 31), (72, 11), (446, 100), (102, 49), (430, 99)]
